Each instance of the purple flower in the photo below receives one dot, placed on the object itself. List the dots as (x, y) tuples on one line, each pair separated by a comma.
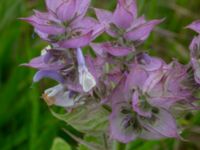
[(133, 117), (195, 50), (124, 25), (163, 84), (65, 23)]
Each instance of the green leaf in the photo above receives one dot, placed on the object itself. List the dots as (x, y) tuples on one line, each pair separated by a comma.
[(60, 144), (87, 119), (99, 142)]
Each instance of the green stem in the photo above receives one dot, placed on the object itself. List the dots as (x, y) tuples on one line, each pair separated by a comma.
[(118, 146)]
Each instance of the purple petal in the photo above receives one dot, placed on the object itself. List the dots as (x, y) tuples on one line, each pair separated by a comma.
[(164, 124), (136, 106), (103, 15), (44, 26), (117, 50), (197, 75), (77, 42), (95, 66), (84, 24), (52, 5), (117, 95), (149, 63), (164, 102), (142, 32), (49, 74), (115, 76), (195, 26), (98, 49), (82, 7), (152, 80), (39, 63), (117, 129), (152, 135), (122, 17), (66, 10), (74, 86), (136, 23), (136, 77), (131, 6), (195, 47)]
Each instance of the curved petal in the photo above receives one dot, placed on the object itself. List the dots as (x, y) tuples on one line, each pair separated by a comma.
[(95, 66), (49, 74), (44, 26), (137, 106), (82, 7), (103, 48), (103, 16), (195, 26), (164, 124), (77, 42), (121, 16), (142, 32), (164, 102), (66, 10), (117, 51), (131, 6), (149, 63), (136, 78), (151, 81), (118, 130), (52, 5), (98, 49)]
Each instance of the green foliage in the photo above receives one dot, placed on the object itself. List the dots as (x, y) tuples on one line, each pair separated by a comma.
[(95, 119), (60, 144)]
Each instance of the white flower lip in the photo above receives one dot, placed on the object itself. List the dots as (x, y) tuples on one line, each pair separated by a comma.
[(58, 96), (86, 79)]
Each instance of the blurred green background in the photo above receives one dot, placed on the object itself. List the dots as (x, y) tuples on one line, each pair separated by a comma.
[(25, 121)]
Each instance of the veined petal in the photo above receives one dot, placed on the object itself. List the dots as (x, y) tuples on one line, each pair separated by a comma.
[(136, 78), (151, 81), (66, 10), (121, 16), (149, 63), (82, 7), (164, 124), (142, 32), (95, 66), (195, 26), (119, 128), (103, 16), (118, 51), (77, 42), (49, 74), (98, 49), (131, 6), (52, 5), (44, 25)]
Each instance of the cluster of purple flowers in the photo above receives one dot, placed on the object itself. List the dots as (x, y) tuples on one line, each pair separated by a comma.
[(141, 90)]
